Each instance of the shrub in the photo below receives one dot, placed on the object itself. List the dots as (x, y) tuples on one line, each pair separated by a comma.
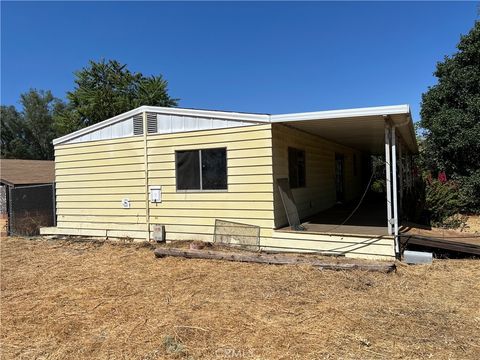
[(443, 200)]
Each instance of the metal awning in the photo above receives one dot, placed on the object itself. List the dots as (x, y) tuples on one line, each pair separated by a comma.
[(362, 129), (379, 130)]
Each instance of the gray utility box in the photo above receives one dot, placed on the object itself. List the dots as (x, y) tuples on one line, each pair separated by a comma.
[(159, 233), (417, 257)]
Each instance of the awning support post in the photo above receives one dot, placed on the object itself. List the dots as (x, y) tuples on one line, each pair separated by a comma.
[(388, 183), (400, 176), (395, 190)]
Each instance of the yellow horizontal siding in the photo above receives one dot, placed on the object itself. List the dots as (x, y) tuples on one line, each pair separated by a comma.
[(110, 169), (99, 183), (211, 213), (358, 246), (127, 175), (102, 219), (217, 205), (205, 221), (98, 163), (125, 191), (93, 178), (102, 225), (101, 199), (130, 213), (119, 143), (210, 136), (232, 188), (122, 192), (92, 148), (114, 154), (95, 204), (64, 203)]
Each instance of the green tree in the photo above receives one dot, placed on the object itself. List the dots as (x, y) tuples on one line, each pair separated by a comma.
[(13, 134), (450, 117), (28, 134), (107, 88), (38, 110)]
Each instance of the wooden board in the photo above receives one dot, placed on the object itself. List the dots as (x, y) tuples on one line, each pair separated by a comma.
[(276, 259)]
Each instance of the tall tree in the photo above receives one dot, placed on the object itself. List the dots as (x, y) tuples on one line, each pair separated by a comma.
[(107, 88), (13, 134), (450, 115), (38, 109), (28, 134)]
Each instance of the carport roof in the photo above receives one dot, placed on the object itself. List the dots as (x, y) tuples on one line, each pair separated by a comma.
[(361, 128)]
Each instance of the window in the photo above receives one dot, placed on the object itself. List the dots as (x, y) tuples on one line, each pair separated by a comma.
[(201, 169), (296, 167)]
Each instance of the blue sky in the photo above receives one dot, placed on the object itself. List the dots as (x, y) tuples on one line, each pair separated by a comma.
[(253, 57)]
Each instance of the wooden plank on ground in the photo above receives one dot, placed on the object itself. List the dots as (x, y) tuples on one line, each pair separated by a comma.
[(276, 259), (463, 245)]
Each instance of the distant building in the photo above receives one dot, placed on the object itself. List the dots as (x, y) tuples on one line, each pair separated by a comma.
[(26, 177)]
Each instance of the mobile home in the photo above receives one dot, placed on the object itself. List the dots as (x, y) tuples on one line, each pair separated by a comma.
[(181, 170)]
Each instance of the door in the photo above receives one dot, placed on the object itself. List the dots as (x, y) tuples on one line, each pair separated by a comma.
[(339, 177)]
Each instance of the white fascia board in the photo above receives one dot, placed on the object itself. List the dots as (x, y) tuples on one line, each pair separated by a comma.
[(346, 113), (98, 126), (247, 117), (222, 115)]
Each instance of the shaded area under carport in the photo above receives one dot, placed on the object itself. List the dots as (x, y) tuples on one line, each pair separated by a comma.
[(368, 219)]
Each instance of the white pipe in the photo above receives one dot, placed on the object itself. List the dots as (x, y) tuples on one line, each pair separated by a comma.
[(145, 163), (394, 190), (388, 183), (400, 177)]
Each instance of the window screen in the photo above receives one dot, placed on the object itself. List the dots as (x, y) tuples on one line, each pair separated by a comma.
[(202, 169), (214, 169), (188, 170), (296, 167)]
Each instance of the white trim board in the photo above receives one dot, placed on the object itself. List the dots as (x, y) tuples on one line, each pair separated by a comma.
[(244, 117)]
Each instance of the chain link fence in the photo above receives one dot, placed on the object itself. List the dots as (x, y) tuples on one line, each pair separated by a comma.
[(30, 208)]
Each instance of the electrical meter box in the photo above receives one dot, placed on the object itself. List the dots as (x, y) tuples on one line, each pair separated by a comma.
[(155, 194)]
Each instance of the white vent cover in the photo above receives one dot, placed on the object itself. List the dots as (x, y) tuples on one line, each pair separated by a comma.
[(152, 123), (138, 124)]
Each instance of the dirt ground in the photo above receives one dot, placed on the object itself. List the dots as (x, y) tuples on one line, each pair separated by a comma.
[(71, 300)]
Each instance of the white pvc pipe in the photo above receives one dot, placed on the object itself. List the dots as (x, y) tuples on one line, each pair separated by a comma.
[(388, 183), (400, 177), (394, 190)]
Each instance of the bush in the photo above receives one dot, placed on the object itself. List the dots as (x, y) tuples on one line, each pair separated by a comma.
[(443, 200), (469, 187)]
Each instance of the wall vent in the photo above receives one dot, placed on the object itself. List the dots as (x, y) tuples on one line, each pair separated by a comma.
[(152, 123), (138, 124)]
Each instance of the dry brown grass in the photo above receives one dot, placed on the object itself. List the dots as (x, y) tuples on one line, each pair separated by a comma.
[(66, 300)]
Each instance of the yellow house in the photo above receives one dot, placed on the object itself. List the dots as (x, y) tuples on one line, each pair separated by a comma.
[(171, 173)]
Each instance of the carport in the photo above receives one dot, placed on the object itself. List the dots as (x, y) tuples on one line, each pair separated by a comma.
[(386, 131)]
